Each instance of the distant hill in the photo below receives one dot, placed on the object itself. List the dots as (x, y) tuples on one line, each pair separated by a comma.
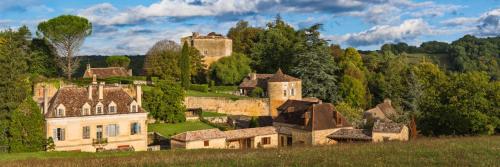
[(136, 64)]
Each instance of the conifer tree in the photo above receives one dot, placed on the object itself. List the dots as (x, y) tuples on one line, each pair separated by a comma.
[(184, 65)]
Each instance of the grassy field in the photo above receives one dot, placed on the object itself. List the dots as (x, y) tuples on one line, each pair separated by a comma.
[(168, 130), (467, 151)]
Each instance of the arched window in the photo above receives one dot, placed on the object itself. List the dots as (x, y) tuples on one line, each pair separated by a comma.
[(86, 109), (99, 108), (60, 111), (112, 108)]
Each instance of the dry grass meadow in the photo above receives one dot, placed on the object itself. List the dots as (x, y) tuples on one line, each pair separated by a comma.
[(463, 151)]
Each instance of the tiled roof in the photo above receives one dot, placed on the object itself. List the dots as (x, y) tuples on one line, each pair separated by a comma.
[(250, 132), (280, 77), (206, 134), (322, 115), (356, 134), (73, 99), (384, 108), (387, 127), (260, 81), (108, 72)]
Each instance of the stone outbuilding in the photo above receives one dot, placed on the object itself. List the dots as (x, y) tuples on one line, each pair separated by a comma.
[(308, 123), (383, 111), (389, 131), (208, 138)]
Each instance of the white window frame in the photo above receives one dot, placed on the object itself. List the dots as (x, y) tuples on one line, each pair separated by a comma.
[(58, 134), (99, 105), (112, 130), (86, 134), (86, 106), (112, 105), (134, 107), (60, 111), (135, 128)]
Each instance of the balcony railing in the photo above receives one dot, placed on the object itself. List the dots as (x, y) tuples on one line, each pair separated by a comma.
[(101, 141)]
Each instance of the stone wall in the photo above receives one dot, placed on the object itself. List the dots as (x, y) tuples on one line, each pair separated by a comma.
[(244, 106), (387, 136), (212, 48)]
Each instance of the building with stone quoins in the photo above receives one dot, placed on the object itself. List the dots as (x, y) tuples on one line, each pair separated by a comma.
[(212, 46)]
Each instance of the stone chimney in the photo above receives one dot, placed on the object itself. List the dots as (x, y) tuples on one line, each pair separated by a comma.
[(101, 90), (253, 76), (94, 79), (88, 66), (45, 99), (89, 89), (129, 72), (388, 101), (138, 94)]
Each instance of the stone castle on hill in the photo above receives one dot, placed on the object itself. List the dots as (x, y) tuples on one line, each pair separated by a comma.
[(213, 46)]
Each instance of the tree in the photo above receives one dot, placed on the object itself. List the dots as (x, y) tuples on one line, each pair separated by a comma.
[(257, 92), (434, 47), (353, 86), (26, 128), (317, 68), (164, 102), (244, 37), (336, 51), (198, 67), (184, 65), (66, 33), (352, 114), (277, 47), (42, 59), (118, 61), (162, 60), (230, 70)]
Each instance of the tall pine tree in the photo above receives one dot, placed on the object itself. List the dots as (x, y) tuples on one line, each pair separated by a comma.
[(184, 65)]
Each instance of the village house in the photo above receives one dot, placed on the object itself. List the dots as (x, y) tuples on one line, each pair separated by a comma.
[(383, 111), (261, 137), (99, 117), (107, 72), (388, 131), (308, 123), (213, 46)]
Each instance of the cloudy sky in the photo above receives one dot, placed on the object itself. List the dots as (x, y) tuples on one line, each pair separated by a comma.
[(132, 27)]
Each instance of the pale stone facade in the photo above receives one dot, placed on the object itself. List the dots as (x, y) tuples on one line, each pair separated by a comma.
[(73, 128), (212, 47), (280, 92), (243, 106), (388, 136)]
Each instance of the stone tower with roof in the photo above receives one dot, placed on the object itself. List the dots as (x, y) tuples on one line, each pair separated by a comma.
[(280, 88)]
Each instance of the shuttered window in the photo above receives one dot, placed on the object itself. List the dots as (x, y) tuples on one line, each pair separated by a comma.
[(58, 134), (86, 132)]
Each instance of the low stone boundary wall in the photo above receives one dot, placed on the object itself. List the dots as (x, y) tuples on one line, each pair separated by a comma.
[(244, 106)]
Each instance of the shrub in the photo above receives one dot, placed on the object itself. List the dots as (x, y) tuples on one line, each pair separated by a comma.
[(257, 92), (199, 87)]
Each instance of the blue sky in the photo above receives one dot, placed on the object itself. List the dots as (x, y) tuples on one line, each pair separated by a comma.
[(132, 27)]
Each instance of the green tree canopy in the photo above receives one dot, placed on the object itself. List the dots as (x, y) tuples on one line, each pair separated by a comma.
[(162, 60), (164, 102), (66, 33), (230, 70), (185, 66), (118, 61), (244, 37)]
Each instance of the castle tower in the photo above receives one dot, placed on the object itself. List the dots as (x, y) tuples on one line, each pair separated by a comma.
[(212, 46), (282, 87)]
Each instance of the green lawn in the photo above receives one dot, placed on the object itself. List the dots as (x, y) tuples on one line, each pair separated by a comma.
[(466, 151), (168, 130), (211, 114)]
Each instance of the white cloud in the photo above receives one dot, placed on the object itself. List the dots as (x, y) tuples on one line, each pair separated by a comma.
[(408, 30), (487, 24)]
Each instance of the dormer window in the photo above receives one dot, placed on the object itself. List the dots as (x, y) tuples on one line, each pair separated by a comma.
[(112, 108), (86, 109), (99, 108), (134, 107), (60, 111)]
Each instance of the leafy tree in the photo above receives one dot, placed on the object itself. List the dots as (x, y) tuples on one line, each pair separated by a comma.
[(118, 61), (66, 33), (244, 37), (164, 102), (352, 114), (162, 60), (336, 51), (198, 67), (434, 47), (475, 54), (42, 59), (254, 122), (317, 68), (230, 70), (184, 65), (257, 92), (26, 128), (277, 47), (353, 87)]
